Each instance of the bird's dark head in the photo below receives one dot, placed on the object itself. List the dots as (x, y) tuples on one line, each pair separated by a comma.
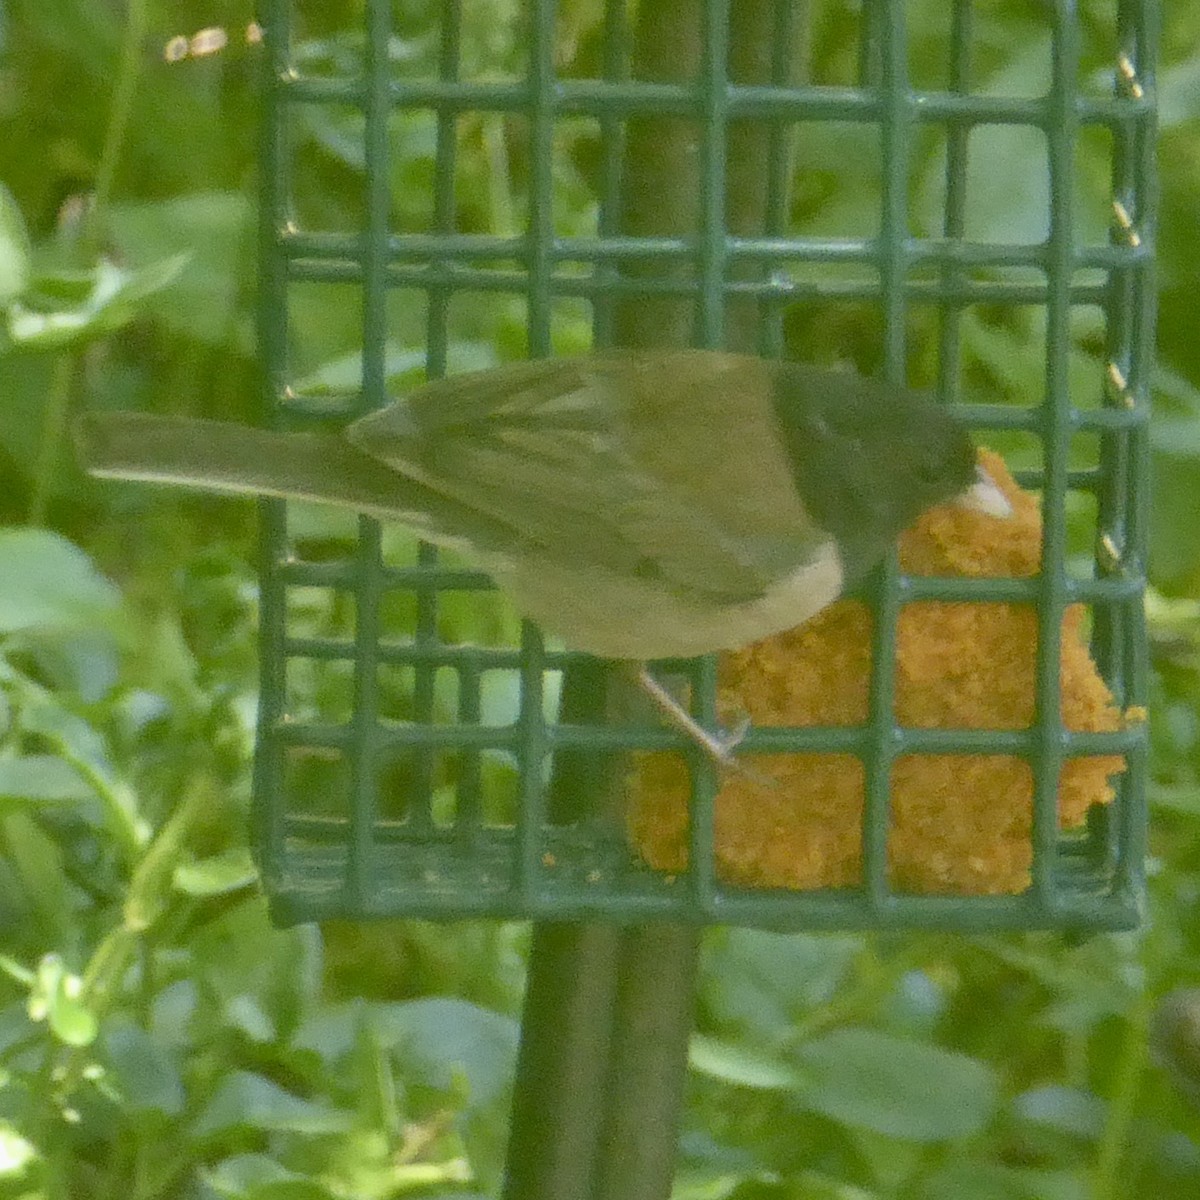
[(868, 457)]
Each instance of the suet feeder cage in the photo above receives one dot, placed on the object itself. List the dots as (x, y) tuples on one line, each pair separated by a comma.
[(403, 772)]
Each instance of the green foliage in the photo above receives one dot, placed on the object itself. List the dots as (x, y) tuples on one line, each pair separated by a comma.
[(158, 1038)]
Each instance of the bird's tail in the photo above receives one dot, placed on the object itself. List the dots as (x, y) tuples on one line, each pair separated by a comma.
[(219, 456)]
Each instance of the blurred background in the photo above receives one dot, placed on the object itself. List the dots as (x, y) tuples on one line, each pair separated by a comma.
[(157, 1036)]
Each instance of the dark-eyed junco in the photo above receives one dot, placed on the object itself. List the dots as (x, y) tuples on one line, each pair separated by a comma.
[(640, 504)]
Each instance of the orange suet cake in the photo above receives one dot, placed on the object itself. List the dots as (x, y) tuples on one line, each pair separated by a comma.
[(959, 823)]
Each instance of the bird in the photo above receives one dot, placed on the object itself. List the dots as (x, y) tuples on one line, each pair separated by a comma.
[(639, 504)]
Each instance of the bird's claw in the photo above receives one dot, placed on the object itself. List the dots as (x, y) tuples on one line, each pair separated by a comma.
[(719, 745)]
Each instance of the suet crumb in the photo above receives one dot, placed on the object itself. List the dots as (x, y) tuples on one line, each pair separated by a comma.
[(960, 824)]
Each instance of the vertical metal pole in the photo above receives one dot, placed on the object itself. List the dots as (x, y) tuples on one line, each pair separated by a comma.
[(609, 1013)]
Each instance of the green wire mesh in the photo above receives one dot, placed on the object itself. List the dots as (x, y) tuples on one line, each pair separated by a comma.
[(436, 806)]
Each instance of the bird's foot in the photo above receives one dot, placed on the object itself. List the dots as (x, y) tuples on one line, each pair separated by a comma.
[(718, 745)]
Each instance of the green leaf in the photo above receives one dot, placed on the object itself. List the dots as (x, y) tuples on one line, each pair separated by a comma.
[(764, 982), (1014, 354), (251, 1017), (1008, 171), (42, 779), (740, 1065), (16, 1152), (441, 1037), (218, 875), (25, 381), (76, 740), (994, 1181), (258, 1177), (419, 1189), (1176, 432), (67, 731), (343, 375), (244, 1100), (1179, 93), (212, 232), (257, 979), (49, 583), (145, 1070), (86, 662), (1067, 1110), (1175, 445), (37, 860), (436, 1039), (14, 248), (55, 998), (1184, 800), (896, 1087), (691, 1184), (65, 308), (1174, 535)]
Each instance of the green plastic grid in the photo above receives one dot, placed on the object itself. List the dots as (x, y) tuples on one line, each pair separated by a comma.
[(355, 863)]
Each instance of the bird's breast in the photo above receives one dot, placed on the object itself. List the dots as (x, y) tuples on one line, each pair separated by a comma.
[(628, 617)]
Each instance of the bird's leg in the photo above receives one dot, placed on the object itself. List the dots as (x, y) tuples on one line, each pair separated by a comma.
[(718, 746)]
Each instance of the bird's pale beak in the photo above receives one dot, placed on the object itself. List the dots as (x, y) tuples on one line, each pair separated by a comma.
[(984, 496)]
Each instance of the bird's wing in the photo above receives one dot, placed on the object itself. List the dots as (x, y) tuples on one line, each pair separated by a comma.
[(596, 459)]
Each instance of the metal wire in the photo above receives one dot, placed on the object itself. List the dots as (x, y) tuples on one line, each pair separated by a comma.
[(347, 855)]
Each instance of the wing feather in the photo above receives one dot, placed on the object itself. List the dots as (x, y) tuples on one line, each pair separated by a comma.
[(593, 459)]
